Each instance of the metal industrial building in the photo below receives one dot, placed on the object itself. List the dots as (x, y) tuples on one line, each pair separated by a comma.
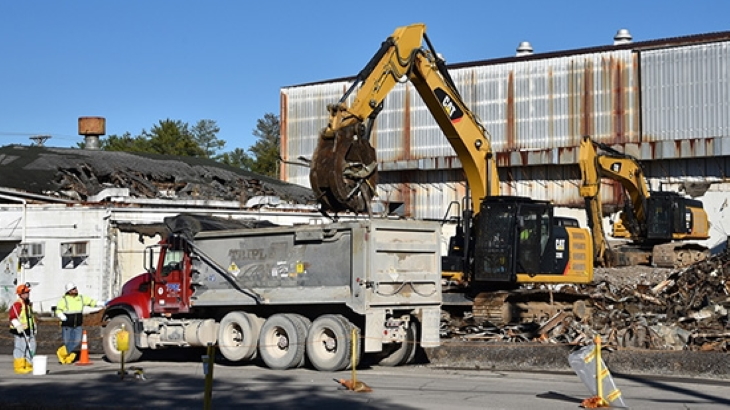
[(664, 101)]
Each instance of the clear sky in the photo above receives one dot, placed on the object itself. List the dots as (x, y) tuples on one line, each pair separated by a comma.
[(136, 62)]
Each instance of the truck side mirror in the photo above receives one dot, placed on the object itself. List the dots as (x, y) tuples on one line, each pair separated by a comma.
[(149, 264)]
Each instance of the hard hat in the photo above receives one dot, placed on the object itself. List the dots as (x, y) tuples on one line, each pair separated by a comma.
[(70, 286), (22, 288)]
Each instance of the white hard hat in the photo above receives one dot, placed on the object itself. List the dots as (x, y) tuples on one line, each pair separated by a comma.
[(70, 286)]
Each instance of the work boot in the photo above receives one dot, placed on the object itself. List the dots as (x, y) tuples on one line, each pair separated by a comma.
[(62, 354), (70, 358), (20, 366)]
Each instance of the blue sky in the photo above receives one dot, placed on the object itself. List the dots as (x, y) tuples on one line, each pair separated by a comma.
[(137, 62)]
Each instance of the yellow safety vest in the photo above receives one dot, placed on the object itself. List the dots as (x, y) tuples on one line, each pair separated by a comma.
[(25, 316)]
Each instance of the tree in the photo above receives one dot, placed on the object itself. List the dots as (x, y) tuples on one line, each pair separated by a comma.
[(205, 135), (236, 158), (124, 142), (266, 150), (169, 137), (172, 138)]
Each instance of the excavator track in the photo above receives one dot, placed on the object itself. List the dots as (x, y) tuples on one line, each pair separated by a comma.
[(527, 305), (672, 255), (344, 172)]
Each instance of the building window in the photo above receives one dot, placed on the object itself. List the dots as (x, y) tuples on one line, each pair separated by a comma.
[(74, 254), (31, 254)]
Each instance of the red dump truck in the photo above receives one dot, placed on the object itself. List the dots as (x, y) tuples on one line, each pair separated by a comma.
[(290, 295)]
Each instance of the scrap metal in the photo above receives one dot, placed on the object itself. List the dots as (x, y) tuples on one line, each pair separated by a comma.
[(686, 311)]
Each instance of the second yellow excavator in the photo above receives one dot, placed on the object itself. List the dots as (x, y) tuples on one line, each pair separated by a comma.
[(657, 224), (502, 242)]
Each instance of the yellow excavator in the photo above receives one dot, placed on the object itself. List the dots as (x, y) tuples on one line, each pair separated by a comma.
[(656, 224), (502, 242)]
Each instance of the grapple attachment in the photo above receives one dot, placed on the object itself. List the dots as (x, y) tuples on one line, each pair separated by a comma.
[(344, 172)]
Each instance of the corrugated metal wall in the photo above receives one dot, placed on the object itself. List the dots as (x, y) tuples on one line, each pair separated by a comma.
[(536, 111), (686, 92)]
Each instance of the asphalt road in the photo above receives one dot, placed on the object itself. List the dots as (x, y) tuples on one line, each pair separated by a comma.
[(180, 384)]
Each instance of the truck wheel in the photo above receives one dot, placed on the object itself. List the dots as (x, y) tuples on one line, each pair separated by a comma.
[(329, 343), (358, 340), (396, 354), (281, 342), (237, 336), (112, 353), (306, 324)]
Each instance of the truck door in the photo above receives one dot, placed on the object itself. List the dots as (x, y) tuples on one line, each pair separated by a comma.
[(171, 290)]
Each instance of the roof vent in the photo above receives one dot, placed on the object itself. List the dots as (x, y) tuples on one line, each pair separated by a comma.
[(524, 49), (92, 128), (622, 37)]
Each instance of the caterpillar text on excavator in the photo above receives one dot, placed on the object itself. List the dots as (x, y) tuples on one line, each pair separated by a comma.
[(657, 224), (505, 247)]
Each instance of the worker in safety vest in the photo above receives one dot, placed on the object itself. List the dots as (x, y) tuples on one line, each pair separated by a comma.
[(70, 310), (23, 328)]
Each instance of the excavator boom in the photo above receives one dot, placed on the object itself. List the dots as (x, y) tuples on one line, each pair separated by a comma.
[(344, 168)]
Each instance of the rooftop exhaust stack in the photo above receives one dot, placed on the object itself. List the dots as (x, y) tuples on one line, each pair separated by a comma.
[(524, 49), (622, 37), (91, 128)]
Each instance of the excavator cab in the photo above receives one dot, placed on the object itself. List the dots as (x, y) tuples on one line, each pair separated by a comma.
[(511, 236), (670, 216)]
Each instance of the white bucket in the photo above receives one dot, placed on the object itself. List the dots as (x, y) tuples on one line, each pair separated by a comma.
[(39, 364)]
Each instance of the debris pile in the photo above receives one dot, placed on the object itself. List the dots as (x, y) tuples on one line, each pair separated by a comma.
[(687, 310)]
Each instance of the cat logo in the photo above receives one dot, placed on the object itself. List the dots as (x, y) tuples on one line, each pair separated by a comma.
[(452, 110)]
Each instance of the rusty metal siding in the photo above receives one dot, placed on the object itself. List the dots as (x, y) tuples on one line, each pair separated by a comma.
[(549, 104), (303, 115), (426, 195), (533, 109), (390, 134), (686, 93)]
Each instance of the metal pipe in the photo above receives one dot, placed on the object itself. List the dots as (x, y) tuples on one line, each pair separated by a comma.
[(21, 272)]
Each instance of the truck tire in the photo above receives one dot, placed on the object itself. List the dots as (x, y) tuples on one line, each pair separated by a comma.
[(358, 341), (281, 342), (238, 334), (396, 354), (109, 342), (329, 343), (307, 324)]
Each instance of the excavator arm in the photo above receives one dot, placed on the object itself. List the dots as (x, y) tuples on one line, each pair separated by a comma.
[(343, 171), (596, 161)]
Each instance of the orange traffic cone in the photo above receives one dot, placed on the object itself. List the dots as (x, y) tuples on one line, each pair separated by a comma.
[(84, 360)]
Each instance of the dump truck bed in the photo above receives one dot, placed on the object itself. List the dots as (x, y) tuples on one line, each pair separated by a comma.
[(363, 264)]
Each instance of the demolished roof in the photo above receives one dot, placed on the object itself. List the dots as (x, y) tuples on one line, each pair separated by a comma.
[(77, 174)]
